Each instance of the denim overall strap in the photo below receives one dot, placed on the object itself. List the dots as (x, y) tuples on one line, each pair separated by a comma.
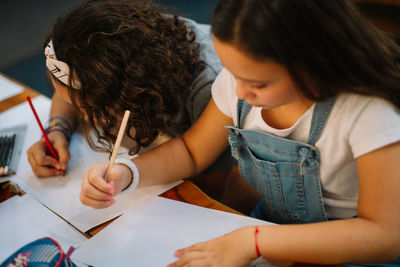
[(284, 172), (319, 118), (242, 110)]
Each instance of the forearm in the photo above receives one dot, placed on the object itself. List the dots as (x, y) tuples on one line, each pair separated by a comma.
[(339, 241), (188, 155), (167, 163), (60, 107)]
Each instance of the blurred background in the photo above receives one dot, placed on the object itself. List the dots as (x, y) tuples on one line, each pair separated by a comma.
[(25, 23)]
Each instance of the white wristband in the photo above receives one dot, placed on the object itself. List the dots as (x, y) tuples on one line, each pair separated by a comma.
[(135, 173)]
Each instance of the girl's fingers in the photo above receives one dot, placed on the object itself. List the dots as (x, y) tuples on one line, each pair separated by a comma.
[(93, 192), (96, 177), (94, 203), (45, 160), (41, 171), (63, 154), (38, 152), (192, 258), (42, 164), (195, 247)]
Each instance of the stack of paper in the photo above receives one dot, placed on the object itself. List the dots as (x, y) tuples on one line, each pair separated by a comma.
[(150, 236)]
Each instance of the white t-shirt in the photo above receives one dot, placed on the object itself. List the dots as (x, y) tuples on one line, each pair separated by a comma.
[(357, 125)]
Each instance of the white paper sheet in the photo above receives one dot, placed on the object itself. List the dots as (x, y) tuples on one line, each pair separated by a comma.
[(150, 236), (61, 194), (8, 88), (24, 220)]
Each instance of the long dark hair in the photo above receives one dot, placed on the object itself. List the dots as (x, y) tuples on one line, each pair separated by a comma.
[(127, 56), (327, 41)]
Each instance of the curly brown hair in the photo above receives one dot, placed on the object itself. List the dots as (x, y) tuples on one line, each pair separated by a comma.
[(127, 56)]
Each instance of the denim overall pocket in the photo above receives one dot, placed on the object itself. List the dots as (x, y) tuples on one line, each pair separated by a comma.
[(282, 188), (284, 172)]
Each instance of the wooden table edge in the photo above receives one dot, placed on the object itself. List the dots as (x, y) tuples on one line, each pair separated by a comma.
[(19, 98)]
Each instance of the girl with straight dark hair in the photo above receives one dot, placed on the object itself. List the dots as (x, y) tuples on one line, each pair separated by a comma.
[(310, 98)]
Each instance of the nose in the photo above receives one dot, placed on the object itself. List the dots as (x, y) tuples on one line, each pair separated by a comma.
[(244, 91)]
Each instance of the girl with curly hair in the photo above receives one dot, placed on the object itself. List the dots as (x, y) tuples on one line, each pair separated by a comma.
[(309, 102), (104, 57)]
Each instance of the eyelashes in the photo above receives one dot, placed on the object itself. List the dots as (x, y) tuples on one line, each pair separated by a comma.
[(259, 86)]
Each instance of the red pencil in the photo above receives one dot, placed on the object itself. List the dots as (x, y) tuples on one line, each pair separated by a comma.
[(46, 139)]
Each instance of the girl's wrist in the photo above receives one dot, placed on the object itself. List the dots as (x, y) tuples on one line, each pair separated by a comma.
[(58, 131), (246, 237), (253, 251), (61, 119), (60, 124), (134, 174)]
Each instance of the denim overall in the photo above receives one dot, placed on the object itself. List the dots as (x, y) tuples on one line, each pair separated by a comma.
[(286, 173)]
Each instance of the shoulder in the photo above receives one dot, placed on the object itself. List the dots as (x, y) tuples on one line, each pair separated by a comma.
[(371, 122), (223, 93), (366, 109), (355, 108), (224, 84)]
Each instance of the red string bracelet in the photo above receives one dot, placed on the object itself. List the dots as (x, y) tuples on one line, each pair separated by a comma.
[(256, 243)]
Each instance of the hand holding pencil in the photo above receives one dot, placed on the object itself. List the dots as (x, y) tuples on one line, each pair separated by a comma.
[(105, 180), (43, 164)]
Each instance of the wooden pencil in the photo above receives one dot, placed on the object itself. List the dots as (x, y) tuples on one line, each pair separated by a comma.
[(117, 143)]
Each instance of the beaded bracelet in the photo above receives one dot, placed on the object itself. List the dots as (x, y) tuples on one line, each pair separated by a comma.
[(256, 243), (65, 119), (135, 174), (58, 124), (61, 126)]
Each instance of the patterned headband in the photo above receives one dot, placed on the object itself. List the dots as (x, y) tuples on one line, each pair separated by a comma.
[(58, 68)]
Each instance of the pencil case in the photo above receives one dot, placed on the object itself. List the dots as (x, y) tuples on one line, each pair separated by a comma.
[(43, 252)]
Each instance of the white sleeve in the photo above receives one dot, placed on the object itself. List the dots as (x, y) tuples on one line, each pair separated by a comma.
[(376, 126), (223, 93)]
